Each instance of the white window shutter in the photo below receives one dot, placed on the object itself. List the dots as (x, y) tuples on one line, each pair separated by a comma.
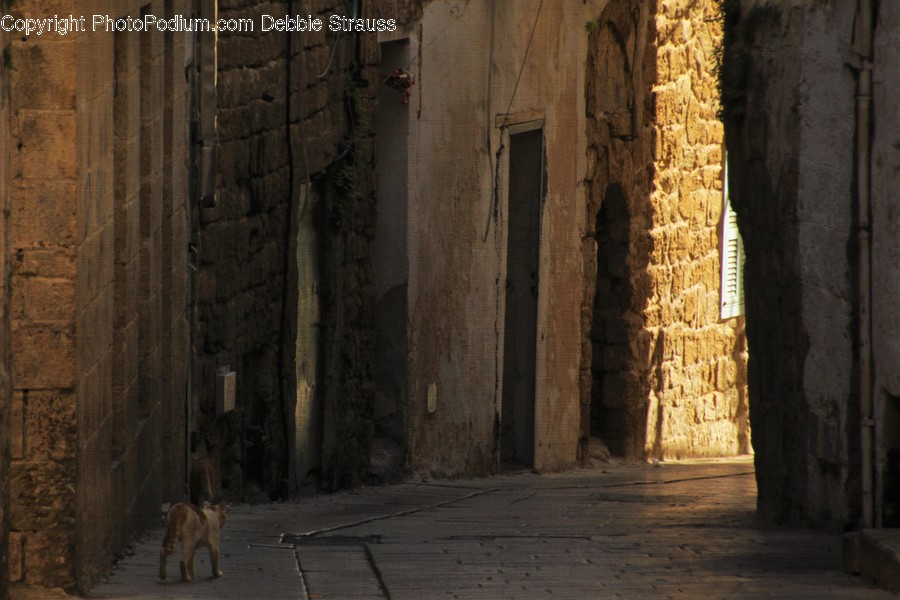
[(731, 292)]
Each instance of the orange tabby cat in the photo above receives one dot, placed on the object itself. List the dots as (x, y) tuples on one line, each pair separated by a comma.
[(194, 527)]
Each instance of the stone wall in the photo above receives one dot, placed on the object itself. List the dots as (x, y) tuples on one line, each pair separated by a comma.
[(97, 240), (5, 357), (790, 100), (42, 332), (771, 258), (406, 12), (292, 108), (44, 241), (698, 400), (241, 262), (621, 69), (885, 261), (661, 375)]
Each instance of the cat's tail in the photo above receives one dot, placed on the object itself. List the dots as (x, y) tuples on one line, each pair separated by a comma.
[(170, 541), (173, 531)]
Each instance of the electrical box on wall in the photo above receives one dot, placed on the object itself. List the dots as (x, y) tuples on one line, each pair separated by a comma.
[(226, 383)]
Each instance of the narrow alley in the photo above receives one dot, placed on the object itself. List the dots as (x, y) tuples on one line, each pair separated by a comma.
[(386, 276), (674, 530)]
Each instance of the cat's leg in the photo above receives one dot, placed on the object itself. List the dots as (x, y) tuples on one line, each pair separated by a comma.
[(163, 555), (214, 560), (187, 562)]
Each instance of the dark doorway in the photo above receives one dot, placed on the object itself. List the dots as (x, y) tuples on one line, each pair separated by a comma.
[(526, 190), (612, 331)]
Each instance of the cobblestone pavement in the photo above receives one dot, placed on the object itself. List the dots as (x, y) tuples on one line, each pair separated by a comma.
[(676, 530)]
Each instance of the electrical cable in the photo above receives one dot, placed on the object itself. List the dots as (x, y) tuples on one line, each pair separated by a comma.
[(524, 61), (286, 418), (495, 196)]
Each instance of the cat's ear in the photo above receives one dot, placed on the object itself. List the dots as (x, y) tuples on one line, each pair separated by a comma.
[(221, 507), (206, 504)]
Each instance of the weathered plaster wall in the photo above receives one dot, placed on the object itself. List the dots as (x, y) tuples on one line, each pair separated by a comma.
[(886, 256), (661, 375), (94, 246), (885, 183), (789, 110), (458, 229), (552, 84), (762, 136), (452, 272), (825, 185)]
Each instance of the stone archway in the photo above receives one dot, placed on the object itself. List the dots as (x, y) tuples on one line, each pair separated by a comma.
[(615, 387)]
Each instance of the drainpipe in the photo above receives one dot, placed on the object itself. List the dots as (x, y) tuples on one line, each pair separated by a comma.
[(863, 47)]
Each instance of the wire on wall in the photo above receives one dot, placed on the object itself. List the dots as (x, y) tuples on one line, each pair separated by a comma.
[(494, 212), (524, 60)]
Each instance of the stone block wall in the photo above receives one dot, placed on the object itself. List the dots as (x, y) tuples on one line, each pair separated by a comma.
[(5, 365), (661, 375), (98, 273), (44, 250), (291, 108), (698, 402), (242, 239)]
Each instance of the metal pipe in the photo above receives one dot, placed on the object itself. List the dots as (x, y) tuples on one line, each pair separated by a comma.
[(864, 29)]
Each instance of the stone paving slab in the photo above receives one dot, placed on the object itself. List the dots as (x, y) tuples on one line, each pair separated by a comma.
[(250, 572), (677, 530)]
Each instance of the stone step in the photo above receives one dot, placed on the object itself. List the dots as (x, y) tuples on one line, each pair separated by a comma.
[(874, 553)]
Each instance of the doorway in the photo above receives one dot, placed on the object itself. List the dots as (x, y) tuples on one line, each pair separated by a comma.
[(613, 329), (526, 192)]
